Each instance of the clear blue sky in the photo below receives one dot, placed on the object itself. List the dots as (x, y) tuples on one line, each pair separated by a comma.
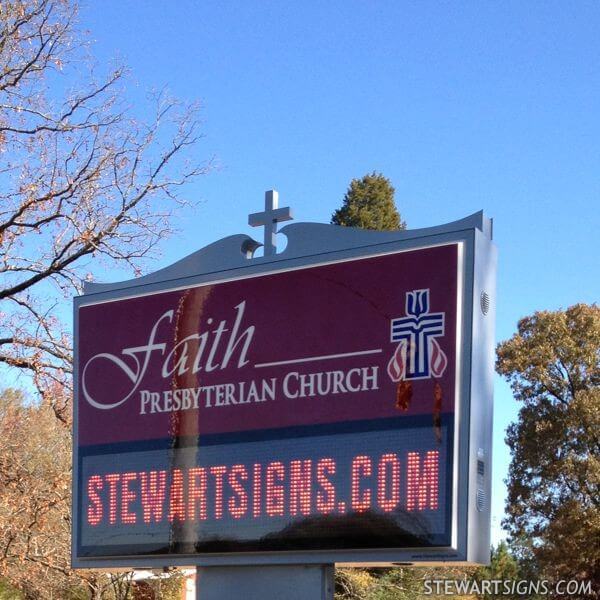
[(464, 106)]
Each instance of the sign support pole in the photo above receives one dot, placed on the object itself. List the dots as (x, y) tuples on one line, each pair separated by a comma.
[(273, 582)]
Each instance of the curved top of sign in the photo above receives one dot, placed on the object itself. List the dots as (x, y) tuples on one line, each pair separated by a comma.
[(304, 239)]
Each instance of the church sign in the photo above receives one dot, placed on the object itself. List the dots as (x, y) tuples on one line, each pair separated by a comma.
[(331, 403)]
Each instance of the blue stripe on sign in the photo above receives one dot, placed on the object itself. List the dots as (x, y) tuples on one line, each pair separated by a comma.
[(418, 326), (439, 329), (421, 319), (431, 317)]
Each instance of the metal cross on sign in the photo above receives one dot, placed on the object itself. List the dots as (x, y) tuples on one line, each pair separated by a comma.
[(269, 218)]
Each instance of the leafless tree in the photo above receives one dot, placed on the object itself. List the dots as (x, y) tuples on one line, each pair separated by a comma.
[(80, 178)]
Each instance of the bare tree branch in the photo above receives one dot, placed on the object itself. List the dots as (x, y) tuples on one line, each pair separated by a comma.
[(79, 178)]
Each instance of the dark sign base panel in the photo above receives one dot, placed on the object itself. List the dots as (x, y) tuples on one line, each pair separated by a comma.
[(375, 484)]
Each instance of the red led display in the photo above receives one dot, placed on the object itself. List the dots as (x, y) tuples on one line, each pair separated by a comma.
[(219, 474), (297, 487), (196, 494), (152, 492), (177, 501), (127, 496), (388, 482), (361, 498), (256, 490), (300, 487), (325, 500), (112, 479), (238, 503), (275, 492), (95, 508), (423, 480)]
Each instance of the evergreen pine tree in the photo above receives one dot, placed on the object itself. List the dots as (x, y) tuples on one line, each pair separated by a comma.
[(369, 204)]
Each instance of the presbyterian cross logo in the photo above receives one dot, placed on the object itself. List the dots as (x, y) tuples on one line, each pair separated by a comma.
[(418, 354)]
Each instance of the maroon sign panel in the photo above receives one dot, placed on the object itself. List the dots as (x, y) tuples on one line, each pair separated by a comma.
[(237, 415)]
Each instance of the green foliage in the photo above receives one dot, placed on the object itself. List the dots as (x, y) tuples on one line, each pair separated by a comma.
[(163, 588), (369, 204), (7, 592), (353, 584), (399, 583), (553, 505), (503, 567)]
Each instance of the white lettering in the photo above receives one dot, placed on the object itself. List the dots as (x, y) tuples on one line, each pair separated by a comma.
[(136, 374), (286, 390), (134, 362)]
